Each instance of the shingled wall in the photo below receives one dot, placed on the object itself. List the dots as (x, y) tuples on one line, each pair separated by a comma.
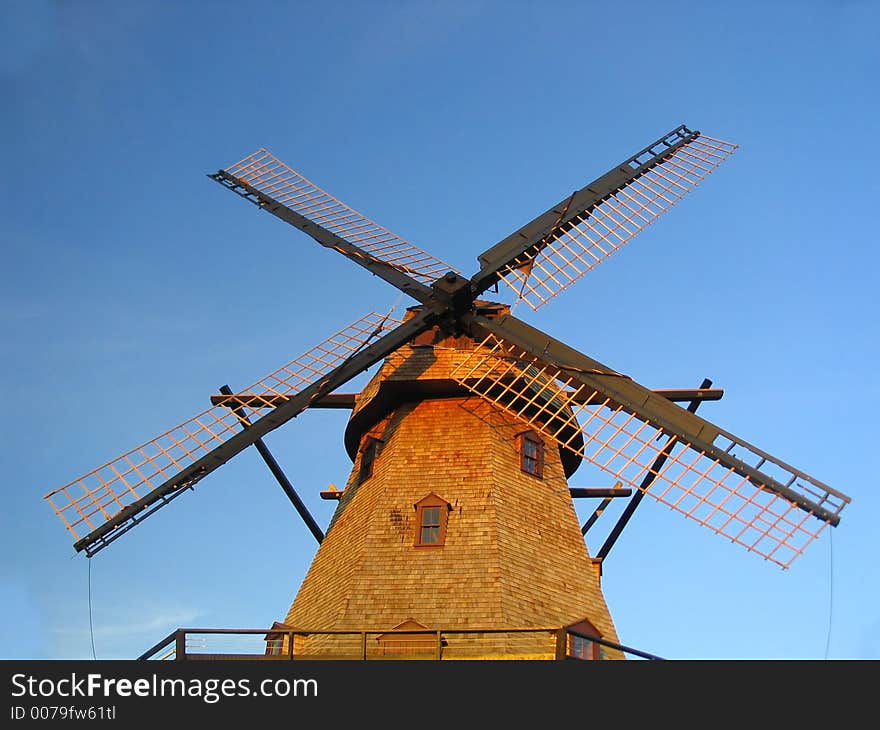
[(514, 556)]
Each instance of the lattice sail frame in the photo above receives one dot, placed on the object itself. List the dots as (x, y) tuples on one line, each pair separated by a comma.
[(276, 180), (591, 237), (626, 446), (102, 492)]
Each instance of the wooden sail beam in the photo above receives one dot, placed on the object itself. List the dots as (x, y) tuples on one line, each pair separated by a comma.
[(347, 400)]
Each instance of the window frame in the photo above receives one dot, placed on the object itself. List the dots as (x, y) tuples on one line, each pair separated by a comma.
[(275, 638), (431, 501), (580, 641), (531, 437)]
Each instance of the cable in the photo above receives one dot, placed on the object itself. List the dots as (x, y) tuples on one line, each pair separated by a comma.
[(394, 306), (830, 589), (91, 627)]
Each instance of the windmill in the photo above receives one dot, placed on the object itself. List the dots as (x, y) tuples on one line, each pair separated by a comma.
[(457, 522)]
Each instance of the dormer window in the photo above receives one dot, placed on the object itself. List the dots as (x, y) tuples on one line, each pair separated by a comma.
[(368, 457), (431, 514), (580, 642), (531, 454), (275, 639), (402, 644)]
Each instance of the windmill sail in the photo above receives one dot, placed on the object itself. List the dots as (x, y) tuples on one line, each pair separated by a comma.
[(709, 475), (548, 254), (86, 504), (274, 186)]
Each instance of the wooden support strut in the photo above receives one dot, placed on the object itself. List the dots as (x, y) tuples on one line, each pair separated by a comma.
[(643, 487), (347, 400), (599, 492), (277, 472)]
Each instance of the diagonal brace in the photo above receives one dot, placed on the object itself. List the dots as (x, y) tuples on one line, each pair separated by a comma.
[(645, 483), (278, 473)]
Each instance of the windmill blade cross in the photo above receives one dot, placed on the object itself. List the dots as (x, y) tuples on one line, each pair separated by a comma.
[(112, 498), (545, 256), (709, 475), (697, 468)]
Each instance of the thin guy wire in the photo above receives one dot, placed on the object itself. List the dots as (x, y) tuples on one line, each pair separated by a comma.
[(91, 626), (830, 589)]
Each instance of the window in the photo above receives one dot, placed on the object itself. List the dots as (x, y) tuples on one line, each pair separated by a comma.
[(275, 639), (429, 524), (580, 642), (368, 456), (580, 647), (431, 514), (274, 645), (531, 454)]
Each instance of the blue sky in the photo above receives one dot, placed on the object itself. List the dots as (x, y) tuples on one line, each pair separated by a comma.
[(134, 286)]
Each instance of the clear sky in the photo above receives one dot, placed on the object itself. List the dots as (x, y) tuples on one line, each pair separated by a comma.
[(135, 286)]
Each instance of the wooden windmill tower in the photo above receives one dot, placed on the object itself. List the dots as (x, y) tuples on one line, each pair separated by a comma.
[(456, 532)]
